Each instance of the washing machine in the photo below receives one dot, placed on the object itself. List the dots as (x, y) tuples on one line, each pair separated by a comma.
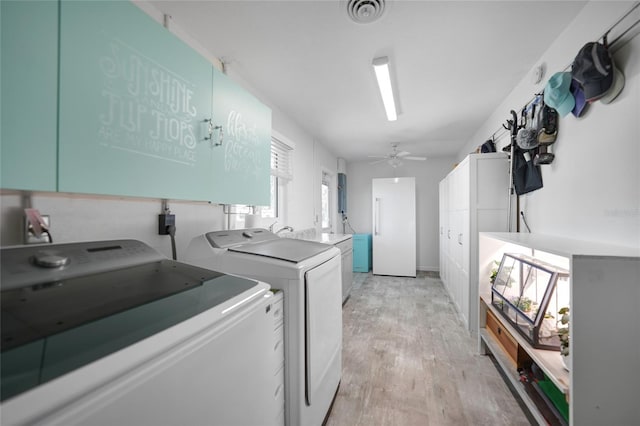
[(114, 333), (309, 274)]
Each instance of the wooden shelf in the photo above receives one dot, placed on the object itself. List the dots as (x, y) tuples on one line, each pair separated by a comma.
[(548, 361), (507, 366)]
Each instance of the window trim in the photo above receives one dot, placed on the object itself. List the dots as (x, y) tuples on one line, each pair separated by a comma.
[(327, 177), (282, 157), (283, 146)]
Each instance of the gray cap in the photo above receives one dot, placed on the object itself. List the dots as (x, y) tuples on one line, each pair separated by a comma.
[(527, 138)]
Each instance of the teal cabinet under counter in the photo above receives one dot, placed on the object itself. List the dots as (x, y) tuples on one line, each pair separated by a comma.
[(133, 104), (29, 87), (242, 165), (361, 252)]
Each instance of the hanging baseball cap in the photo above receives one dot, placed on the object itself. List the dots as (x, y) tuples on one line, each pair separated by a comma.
[(616, 86), (527, 138), (557, 93), (593, 68), (578, 95), (488, 146)]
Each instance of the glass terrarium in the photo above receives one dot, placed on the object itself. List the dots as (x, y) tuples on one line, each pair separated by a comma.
[(529, 293)]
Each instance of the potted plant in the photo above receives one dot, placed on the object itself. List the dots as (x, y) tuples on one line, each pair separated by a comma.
[(523, 303), (494, 272), (563, 334)]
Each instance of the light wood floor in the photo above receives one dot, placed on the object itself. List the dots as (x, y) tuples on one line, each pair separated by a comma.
[(407, 360)]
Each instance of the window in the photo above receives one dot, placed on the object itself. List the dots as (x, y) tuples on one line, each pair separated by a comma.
[(281, 174), (325, 201), (275, 209)]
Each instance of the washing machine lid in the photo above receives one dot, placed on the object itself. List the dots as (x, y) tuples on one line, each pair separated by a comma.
[(288, 249), (101, 298)]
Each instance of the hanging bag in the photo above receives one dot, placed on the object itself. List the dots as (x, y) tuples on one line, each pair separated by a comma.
[(526, 175)]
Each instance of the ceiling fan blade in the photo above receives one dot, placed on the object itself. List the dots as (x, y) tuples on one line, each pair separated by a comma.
[(415, 158), (403, 153), (379, 161), (377, 156)]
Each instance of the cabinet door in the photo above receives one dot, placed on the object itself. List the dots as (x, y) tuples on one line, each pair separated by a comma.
[(347, 274), (29, 94), (463, 240), (241, 166), (359, 254), (133, 100), (462, 185), (442, 231)]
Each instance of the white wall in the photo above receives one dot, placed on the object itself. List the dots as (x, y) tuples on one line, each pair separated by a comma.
[(90, 218), (76, 217), (327, 162), (592, 189), (428, 175)]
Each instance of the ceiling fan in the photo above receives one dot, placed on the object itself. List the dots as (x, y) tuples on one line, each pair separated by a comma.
[(395, 157)]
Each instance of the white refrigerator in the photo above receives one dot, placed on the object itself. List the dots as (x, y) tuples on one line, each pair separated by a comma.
[(394, 226)]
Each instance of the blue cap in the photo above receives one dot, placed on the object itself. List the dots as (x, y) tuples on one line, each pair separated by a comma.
[(578, 95), (557, 93)]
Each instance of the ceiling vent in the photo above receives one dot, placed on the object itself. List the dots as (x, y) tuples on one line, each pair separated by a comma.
[(365, 11)]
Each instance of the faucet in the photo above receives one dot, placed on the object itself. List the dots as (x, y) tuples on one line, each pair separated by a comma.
[(286, 228), (272, 225)]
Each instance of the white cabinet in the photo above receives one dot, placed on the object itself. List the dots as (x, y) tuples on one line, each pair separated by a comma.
[(604, 350), (346, 250), (473, 197)]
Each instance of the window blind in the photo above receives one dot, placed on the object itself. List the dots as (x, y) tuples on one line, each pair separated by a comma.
[(326, 178), (281, 159)]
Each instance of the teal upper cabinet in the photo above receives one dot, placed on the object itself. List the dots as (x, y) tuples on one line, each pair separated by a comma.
[(133, 104), (29, 84), (241, 166)]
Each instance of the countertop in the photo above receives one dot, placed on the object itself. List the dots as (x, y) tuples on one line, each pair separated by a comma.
[(328, 238)]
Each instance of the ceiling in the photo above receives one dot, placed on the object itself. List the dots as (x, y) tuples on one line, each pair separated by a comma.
[(452, 63)]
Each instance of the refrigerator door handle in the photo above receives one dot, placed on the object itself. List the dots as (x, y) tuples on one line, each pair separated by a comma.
[(377, 217)]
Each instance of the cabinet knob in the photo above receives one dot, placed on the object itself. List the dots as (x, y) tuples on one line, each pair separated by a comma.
[(45, 260)]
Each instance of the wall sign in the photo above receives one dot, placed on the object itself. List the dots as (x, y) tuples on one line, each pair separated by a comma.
[(133, 104), (147, 108)]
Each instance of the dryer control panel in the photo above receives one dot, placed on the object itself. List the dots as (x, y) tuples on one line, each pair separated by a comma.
[(30, 265), (235, 237)]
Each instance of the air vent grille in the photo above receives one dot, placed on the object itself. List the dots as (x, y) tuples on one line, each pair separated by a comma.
[(365, 11)]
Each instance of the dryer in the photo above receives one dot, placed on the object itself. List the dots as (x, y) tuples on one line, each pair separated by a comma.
[(309, 274), (112, 332)]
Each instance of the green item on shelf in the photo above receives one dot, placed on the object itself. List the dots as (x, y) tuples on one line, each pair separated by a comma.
[(557, 397)]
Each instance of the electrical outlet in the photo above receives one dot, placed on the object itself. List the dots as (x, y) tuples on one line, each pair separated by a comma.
[(30, 235), (164, 221)]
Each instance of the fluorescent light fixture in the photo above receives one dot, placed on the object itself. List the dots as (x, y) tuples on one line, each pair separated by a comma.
[(381, 67)]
